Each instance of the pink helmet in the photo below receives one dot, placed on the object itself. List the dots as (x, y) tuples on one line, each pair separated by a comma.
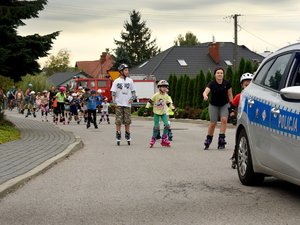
[(62, 89)]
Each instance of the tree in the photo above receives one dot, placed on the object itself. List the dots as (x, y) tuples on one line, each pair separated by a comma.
[(19, 54), (58, 63), (122, 56), (189, 40), (135, 43)]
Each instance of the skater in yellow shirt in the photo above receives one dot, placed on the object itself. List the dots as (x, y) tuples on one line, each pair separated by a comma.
[(159, 101)]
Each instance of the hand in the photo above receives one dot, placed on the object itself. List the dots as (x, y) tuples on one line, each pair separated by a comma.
[(205, 97), (145, 112), (233, 120)]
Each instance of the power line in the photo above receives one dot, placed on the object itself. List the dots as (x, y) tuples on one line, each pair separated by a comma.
[(259, 37)]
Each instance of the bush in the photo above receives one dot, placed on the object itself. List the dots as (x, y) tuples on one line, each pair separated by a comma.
[(205, 114)]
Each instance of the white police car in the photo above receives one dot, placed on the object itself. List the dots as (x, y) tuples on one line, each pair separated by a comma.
[(268, 129)]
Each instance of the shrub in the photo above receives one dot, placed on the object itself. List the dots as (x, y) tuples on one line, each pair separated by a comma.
[(204, 114)]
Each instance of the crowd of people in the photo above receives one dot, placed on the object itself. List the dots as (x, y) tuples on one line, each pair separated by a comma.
[(59, 104)]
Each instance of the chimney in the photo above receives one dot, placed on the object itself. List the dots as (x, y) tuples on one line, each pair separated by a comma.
[(213, 49), (103, 57)]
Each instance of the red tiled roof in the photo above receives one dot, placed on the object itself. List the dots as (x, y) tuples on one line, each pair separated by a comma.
[(97, 68)]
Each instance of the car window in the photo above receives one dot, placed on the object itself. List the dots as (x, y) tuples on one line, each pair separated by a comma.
[(274, 75), (262, 72), (295, 81)]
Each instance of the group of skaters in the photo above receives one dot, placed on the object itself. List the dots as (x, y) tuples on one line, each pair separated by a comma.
[(63, 106), (85, 103), (221, 106)]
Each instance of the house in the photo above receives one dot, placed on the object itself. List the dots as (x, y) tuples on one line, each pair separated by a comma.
[(191, 60), (97, 68), (65, 78)]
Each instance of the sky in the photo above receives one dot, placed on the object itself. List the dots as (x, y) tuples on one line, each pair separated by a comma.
[(88, 27)]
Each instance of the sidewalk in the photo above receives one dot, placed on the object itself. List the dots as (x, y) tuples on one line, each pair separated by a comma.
[(41, 145)]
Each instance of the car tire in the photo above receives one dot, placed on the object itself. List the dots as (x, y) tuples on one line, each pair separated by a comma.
[(245, 170)]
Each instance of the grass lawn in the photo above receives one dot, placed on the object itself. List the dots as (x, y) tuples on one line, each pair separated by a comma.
[(8, 132)]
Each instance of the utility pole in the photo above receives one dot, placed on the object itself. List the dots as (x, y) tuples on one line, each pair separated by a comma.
[(235, 48)]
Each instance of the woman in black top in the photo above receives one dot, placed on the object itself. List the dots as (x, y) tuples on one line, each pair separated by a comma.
[(221, 95)]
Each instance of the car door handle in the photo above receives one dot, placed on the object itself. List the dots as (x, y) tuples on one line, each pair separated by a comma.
[(275, 111), (250, 103)]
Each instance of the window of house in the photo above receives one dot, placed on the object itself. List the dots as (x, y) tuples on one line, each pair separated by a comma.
[(182, 62), (228, 62)]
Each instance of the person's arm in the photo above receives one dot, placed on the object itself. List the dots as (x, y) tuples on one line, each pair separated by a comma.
[(205, 93), (229, 93)]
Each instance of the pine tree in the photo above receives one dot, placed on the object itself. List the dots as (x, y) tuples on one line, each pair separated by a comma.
[(202, 85), (183, 95), (190, 92), (19, 54), (209, 77), (136, 40), (172, 87), (178, 91), (229, 73), (196, 91)]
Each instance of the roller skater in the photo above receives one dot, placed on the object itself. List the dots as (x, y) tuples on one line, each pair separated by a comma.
[(91, 102), (207, 142), (123, 94), (159, 101), (221, 95), (221, 142)]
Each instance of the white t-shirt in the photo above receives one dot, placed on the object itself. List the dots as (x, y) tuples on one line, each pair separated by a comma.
[(123, 89), (105, 106)]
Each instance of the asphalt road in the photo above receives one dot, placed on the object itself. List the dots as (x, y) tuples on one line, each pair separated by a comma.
[(108, 184)]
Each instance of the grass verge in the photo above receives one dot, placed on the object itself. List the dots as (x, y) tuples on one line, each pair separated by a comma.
[(8, 131)]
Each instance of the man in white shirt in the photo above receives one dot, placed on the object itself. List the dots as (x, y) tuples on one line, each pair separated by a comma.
[(123, 94)]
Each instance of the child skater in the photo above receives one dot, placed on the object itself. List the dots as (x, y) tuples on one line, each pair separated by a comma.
[(245, 80), (44, 106), (159, 101), (104, 111)]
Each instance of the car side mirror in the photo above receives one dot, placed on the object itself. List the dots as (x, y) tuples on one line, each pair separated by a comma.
[(291, 93)]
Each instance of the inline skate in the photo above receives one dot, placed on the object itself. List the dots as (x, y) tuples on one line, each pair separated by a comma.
[(152, 142), (127, 137), (118, 137), (221, 142), (207, 142), (164, 141)]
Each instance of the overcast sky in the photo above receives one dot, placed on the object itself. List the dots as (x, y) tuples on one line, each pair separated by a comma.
[(90, 26)]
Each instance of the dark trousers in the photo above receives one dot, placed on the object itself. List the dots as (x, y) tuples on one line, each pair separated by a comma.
[(92, 116)]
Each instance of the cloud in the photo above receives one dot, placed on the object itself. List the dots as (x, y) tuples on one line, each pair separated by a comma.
[(90, 26)]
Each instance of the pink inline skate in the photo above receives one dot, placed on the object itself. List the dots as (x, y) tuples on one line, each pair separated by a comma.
[(152, 142), (164, 141)]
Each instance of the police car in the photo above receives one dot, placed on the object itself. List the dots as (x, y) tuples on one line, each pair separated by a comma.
[(268, 129)]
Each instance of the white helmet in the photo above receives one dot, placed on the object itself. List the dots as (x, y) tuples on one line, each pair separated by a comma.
[(246, 76), (32, 92), (162, 83), (99, 91)]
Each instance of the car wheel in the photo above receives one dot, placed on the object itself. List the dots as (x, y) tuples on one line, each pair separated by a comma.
[(244, 162)]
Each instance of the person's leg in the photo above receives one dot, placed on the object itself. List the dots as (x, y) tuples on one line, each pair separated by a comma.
[(127, 121), (223, 117), (213, 115), (118, 121)]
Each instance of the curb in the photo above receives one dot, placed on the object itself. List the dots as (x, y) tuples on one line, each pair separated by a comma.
[(18, 181)]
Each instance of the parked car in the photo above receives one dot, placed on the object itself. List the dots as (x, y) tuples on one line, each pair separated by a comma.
[(268, 129)]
